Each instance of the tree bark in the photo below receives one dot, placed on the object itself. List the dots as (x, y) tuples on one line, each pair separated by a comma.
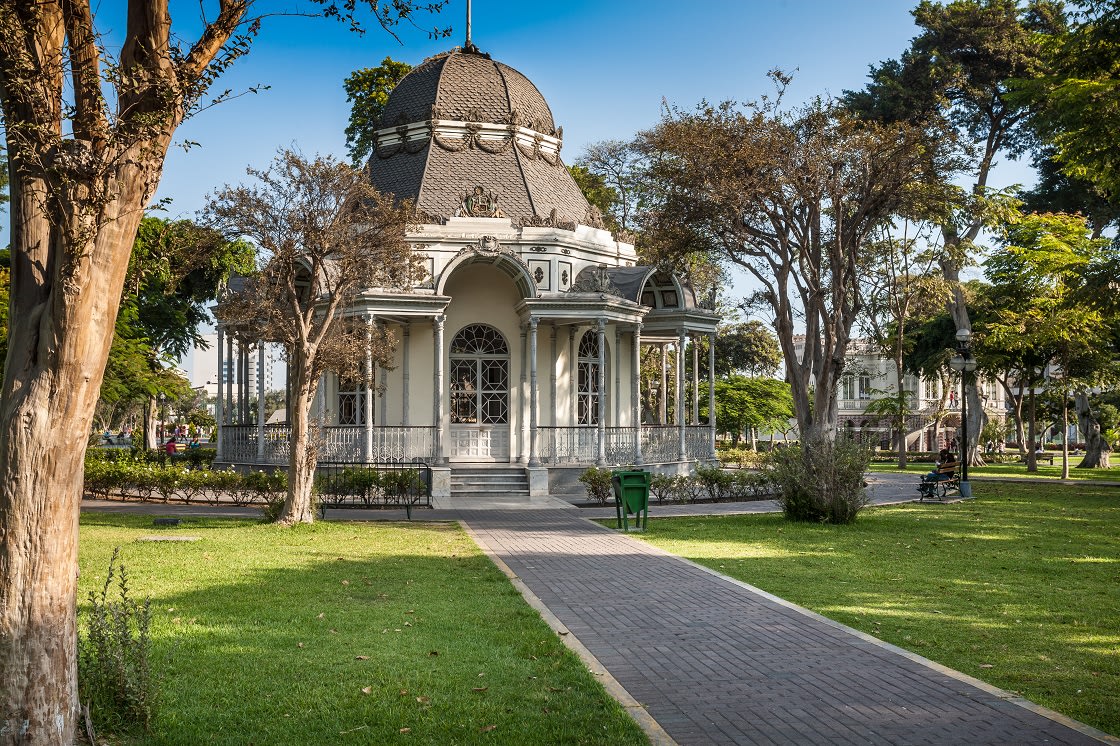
[(302, 458), (1097, 449)]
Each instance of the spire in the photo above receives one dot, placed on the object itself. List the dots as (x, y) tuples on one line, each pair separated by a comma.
[(468, 45)]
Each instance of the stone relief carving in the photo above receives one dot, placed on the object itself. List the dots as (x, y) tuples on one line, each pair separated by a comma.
[(595, 280), (552, 221), (479, 204), (473, 119), (490, 246), (594, 218)]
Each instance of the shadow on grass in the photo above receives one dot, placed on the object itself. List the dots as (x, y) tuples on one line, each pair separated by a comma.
[(338, 634)]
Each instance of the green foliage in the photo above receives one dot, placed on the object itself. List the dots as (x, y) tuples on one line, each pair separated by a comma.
[(115, 678), (820, 480), (747, 348), (743, 402), (368, 91), (596, 191), (716, 482), (598, 484), (1077, 98)]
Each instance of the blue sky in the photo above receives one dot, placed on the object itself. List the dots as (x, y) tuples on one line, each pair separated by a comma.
[(605, 68)]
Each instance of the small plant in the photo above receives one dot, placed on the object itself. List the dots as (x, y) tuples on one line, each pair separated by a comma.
[(714, 481), (820, 480), (114, 672), (662, 487), (598, 484)]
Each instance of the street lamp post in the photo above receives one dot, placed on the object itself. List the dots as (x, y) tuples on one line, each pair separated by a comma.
[(965, 364)]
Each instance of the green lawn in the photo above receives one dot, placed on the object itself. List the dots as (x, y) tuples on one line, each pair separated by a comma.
[(346, 633), (1013, 470), (1020, 587)]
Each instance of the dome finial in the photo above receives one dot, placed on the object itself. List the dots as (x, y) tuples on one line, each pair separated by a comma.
[(468, 46)]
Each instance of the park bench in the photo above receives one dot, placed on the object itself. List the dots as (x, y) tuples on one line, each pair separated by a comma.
[(939, 484), (1047, 457)]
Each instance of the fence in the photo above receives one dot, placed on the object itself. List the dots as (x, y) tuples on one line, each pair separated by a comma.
[(344, 443), (345, 484), (660, 444)]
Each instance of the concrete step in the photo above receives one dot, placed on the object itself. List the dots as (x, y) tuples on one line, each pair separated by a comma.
[(489, 481)]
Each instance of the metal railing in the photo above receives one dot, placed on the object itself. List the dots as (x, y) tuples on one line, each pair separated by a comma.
[(335, 443), (344, 484), (660, 444)]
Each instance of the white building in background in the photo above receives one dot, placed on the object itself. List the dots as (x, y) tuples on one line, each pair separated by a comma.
[(868, 375)]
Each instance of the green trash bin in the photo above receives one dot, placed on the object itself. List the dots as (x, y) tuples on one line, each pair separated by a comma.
[(631, 495)]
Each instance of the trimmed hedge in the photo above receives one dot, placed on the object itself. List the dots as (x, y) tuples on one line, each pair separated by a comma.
[(706, 484), (150, 481)]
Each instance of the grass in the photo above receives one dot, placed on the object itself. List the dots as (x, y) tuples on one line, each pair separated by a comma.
[(1019, 588), (346, 633), (1012, 470)]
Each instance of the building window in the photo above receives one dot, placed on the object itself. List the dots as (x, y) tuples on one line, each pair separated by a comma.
[(587, 388), (351, 402), (848, 387), (865, 386), (479, 377), (932, 386)]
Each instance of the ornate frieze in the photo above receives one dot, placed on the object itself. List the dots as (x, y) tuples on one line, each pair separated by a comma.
[(595, 280), (552, 221)]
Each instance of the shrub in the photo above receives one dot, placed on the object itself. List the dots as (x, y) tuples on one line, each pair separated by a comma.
[(114, 673), (714, 482), (662, 487), (820, 480), (598, 484)]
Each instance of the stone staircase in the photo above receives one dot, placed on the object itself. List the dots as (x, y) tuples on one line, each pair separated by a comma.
[(488, 481)]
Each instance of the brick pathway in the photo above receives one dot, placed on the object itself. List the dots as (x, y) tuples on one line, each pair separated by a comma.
[(714, 661)]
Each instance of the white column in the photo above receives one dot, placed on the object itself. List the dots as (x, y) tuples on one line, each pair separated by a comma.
[(437, 445), (601, 385), (367, 398), (617, 376), (523, 398), (552, 374), (573, 376), (534, 394), (712, 392), (695, 381), (383, 409), (406, 330), (683, 454), (636, 394), (219, 403), (662, 405), (260, 401)]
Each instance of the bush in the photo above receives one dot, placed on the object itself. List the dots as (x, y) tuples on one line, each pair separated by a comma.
[(114, 673), (662, 487), (820, 480), (598, 484), (714, 481)]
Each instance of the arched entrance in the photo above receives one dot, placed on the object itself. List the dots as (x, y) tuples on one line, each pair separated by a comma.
[(479, 395)]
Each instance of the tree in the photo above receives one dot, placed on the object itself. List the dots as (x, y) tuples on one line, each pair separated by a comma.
[(744, 403), (87, 135), (955, 79), (622, 166), (597, 193), (747, 347), (325, 234), (368, 91), (792, 198), (1076, 100), (898, 284), (1036, 281)]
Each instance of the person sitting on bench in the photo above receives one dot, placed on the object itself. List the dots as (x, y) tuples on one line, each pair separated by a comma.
[(946, 466)]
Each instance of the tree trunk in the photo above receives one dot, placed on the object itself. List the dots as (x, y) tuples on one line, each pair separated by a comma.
[(150, 415), (977, 418), (1032, 461), (302, 458), (64, 301), (1065, 436), (1097, 449)]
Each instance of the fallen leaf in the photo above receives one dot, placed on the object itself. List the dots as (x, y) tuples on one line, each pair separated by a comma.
[(480, 688), (410, 611), (408, 624), (404, 692), (564, 632), (334, 631), (361, 657), (433, 652), (367, 690), (986, 665), (177, 620), (299, 644), (320, 615), (346, 582), (424, 700), (554, 689), (406, 730), (487, 728)]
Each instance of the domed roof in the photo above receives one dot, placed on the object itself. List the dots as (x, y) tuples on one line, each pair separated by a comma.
[(464, 135), (467, 86)]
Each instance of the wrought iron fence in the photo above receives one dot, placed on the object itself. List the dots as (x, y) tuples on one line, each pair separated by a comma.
[(347, 443), (345, 484)]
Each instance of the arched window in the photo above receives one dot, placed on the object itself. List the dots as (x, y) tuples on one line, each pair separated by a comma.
[(479, 376), (587, 388)]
